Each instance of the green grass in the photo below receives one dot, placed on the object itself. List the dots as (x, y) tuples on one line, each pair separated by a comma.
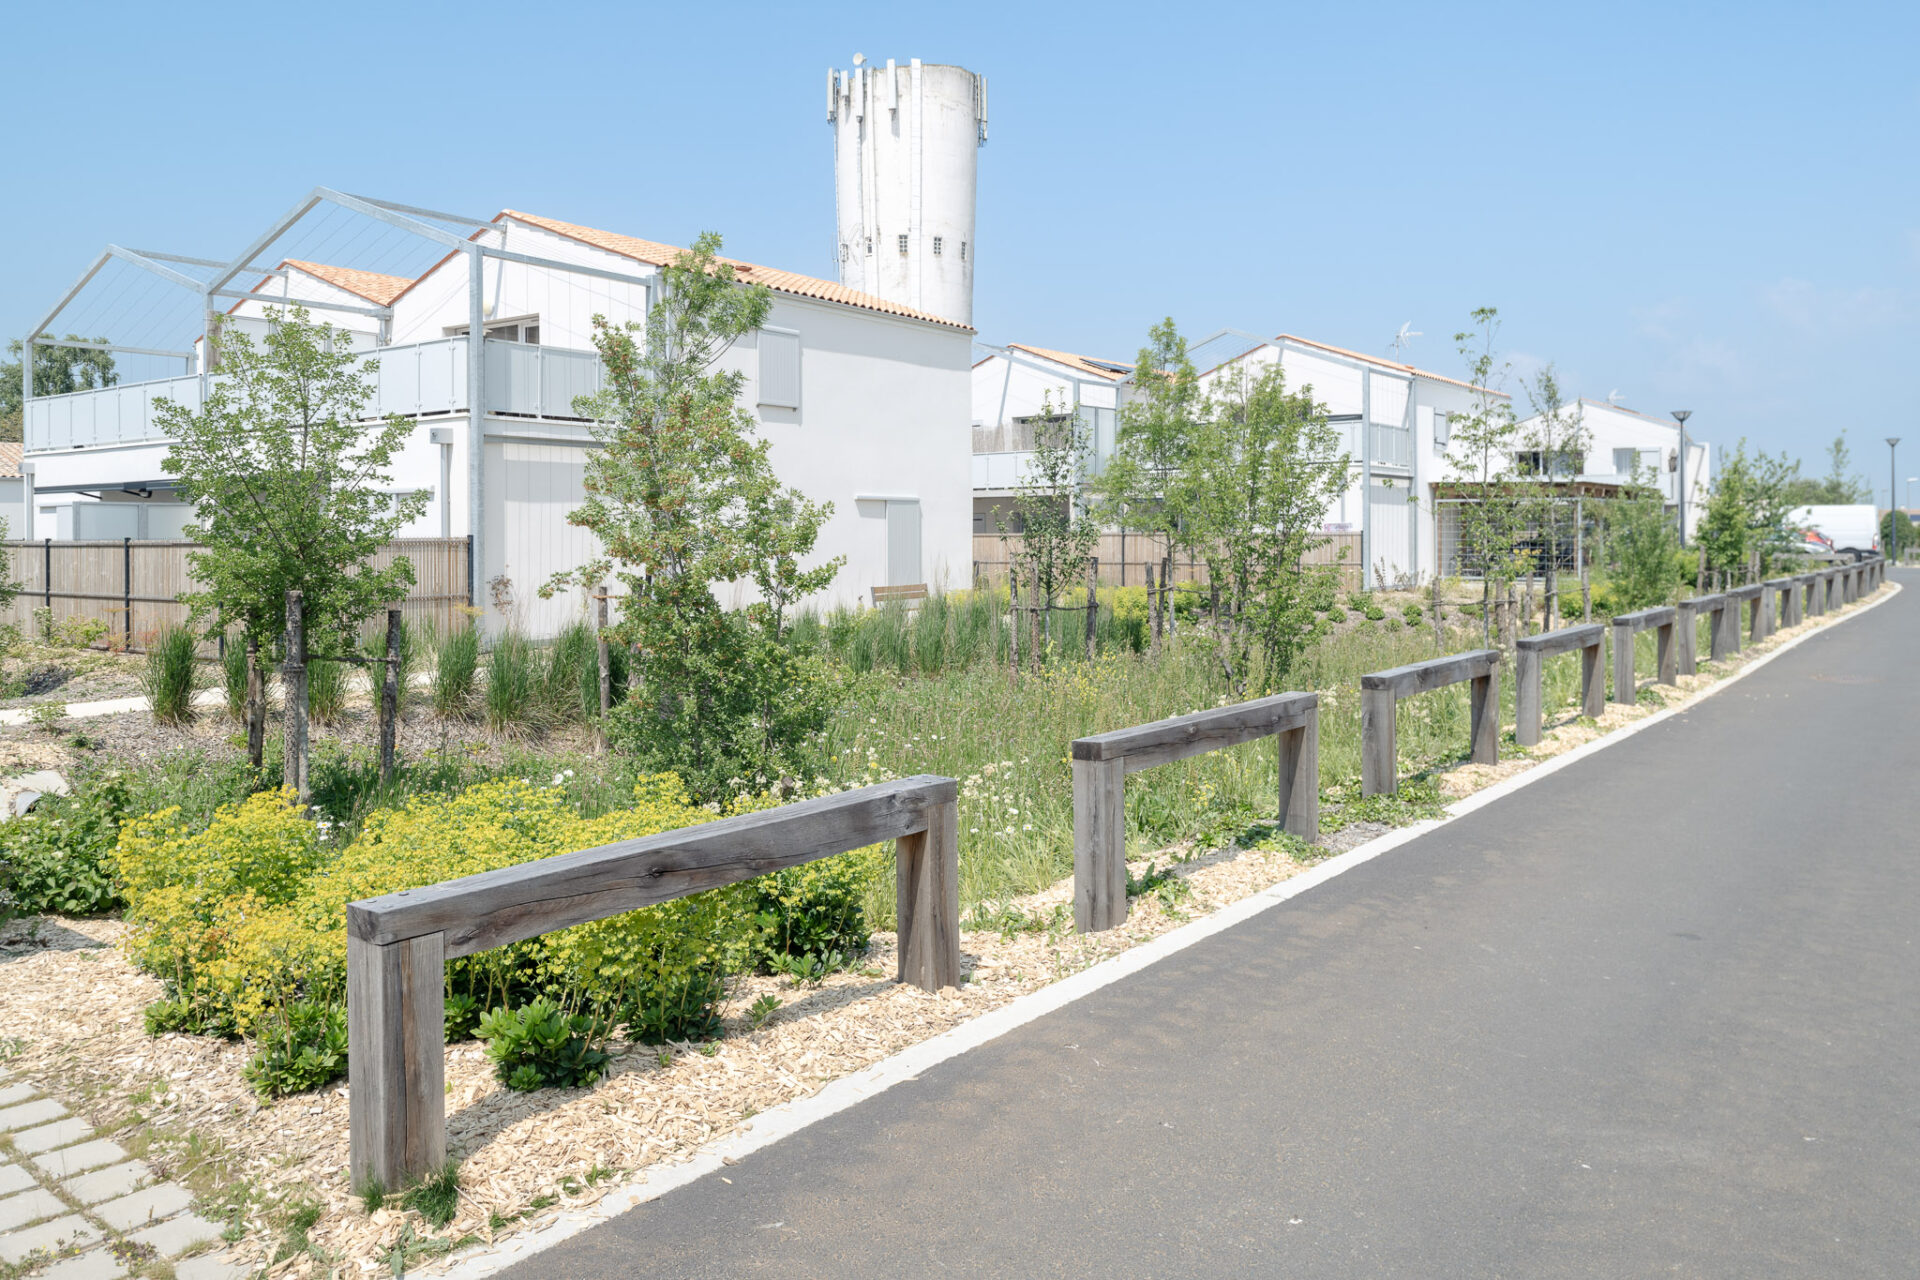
[(172, 675), (1007, 743), (456, 666)]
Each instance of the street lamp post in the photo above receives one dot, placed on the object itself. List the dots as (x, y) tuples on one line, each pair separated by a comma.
[(1893, 469), (1680, 416)]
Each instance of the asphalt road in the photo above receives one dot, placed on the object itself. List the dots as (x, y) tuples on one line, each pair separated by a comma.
[(1654, 1015)]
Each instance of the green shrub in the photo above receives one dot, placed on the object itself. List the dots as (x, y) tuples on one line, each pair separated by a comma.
[(327, 689), (299, 1047), (233, 678), (515, 681), (172, 675), (815, 908), (57, 856), (1336, 614), (456, 663), (537, 1046), (678, 1006)]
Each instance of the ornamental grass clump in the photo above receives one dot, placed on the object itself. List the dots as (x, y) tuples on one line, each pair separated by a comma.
[(516, 681), (456, 666), (326, 689), (233, 679), (172, 675)]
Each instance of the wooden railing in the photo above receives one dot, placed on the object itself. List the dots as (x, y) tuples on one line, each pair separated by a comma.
[(1380, 694), (398, 945), (1662, 621), (1531, 653), (1688, 631), (1102, 762)]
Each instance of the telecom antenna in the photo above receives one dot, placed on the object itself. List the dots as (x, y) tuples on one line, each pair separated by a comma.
[(1406, 335)]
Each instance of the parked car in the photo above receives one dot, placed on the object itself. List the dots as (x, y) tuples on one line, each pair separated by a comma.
[(1851, 531)]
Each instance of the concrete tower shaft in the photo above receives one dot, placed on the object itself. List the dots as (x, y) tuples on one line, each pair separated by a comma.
[(905, 161)]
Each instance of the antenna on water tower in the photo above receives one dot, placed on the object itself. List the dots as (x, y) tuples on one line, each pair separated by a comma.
[(906, 143)]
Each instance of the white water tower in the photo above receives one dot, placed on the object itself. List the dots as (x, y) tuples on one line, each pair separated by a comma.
[(905, 160)]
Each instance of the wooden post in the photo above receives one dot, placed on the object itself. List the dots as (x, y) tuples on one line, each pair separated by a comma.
[(396, 1063), (126, 579), (1093, 602), (1687, 637), (1299, 771), (1099, 844), (1379, 758), (1717, 633), (1167, 611), (1526, 696), (256, 703), (927, 908), (390, 696), (1663, 647), (293, 677), (1485, 693), (1586, 596), (1700, 575), (1153, 613), (1624, 688), (1765, 629), (1013, 619), (605, 655), (1593, 681)]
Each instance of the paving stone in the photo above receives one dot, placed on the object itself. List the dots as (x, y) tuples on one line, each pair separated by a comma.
[(13, 1178), (27, 1114), (105, 1184), (60, 1133), (72, 1160), (143, 1207), (29, 1206), (17, 1093), (72, 1229), (97, 1264), (209, 1266), (177, 1235)]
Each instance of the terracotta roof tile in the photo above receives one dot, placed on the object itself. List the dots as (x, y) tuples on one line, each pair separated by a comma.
[(660, 255), (376, 288), (1111, 370), (10, 451)]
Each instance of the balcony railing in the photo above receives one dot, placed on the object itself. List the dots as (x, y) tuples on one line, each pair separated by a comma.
[(414, 379)]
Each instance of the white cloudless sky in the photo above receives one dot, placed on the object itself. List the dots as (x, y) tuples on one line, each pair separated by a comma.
[(1710, 207)]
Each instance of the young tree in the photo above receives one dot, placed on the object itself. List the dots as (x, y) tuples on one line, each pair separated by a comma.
[(57, 371), (1746, 512), (1057, 533), (1841, 485), (1642, 544), (1153, 433), (1262, 469), (1558, 438), (291, 486), (683, 499), (1480, 449)]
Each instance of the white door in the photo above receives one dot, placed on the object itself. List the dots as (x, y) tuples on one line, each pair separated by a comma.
[(1390, 518)]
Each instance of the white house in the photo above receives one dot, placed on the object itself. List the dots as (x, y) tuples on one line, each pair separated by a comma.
[(865, 400), (1621, 443), (1397, 458)]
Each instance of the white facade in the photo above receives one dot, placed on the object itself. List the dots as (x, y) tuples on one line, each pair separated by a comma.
[(905, 158), (865, 403), (1621, 443), (1013, 385)]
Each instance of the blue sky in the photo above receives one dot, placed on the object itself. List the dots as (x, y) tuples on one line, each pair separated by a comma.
[(1705, 207)]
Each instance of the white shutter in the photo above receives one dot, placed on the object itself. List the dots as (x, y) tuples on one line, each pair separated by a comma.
[(903, 543), (780, 368)]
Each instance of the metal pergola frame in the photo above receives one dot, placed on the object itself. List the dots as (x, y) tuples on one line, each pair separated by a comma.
[(408, 218)]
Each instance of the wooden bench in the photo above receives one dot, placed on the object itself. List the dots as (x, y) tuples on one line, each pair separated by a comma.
[(1687, 631), (911, 595), (398, 945), (1102, 762), (1662, 621), (1380, 694), (1531, 653)]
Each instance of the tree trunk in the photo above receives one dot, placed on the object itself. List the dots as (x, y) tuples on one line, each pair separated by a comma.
[(294, 678), (1013, 620), (256, 704)]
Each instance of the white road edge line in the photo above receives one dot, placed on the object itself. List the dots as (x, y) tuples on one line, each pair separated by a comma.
[(772, 1125)]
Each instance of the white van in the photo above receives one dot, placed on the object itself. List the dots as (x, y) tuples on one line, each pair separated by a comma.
[(1849, 531)]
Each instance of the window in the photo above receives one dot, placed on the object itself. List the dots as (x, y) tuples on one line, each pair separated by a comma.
[(521, 329), (903, 244), (780, 368), (843, 251), (869, 246), (963, 251), (936, 246), (1624, 461), (1441, 425)]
